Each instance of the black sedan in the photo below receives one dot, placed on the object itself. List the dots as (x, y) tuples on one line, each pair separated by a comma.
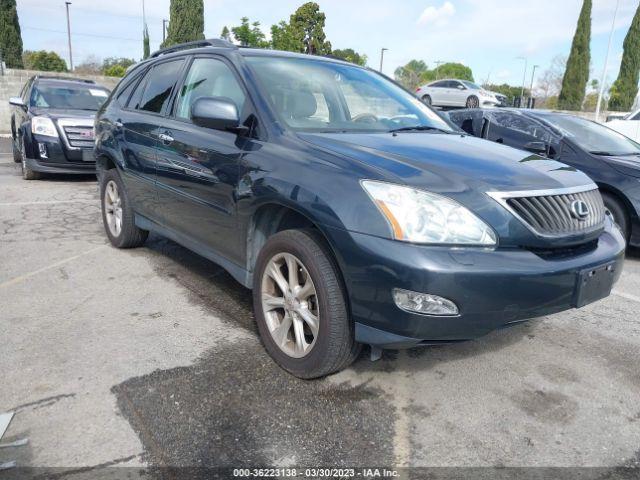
[(52, 125), (609, 158)]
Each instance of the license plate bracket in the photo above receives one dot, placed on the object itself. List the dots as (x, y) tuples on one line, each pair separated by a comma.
[(594, 284), (87, 155)]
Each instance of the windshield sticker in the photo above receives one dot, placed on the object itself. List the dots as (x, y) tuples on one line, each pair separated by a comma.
[(98, 93)]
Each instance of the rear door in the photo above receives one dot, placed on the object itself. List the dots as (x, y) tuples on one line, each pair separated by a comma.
[(438, 92), (140, 122), (199, 168)]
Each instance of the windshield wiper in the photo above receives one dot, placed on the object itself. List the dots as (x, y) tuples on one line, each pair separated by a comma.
[(419, 128), (613, 154)]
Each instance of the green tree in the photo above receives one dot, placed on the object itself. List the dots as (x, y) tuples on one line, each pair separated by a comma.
[(116, 66), (249, 34), (186, 22), (225, 34), (283, 38), (10, 38), (412, 74), (453, 70), (146, 49), (350, 55), (509, 91), (625, 88), (44, 61), (576, 76), (307, 26)]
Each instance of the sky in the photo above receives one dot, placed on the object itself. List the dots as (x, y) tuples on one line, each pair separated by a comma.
[(486, 35)]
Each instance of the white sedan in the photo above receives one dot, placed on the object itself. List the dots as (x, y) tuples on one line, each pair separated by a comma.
[(628, 126), (456, 93)]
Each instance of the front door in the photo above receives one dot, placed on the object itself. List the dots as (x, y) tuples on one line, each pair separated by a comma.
[(198, 169)]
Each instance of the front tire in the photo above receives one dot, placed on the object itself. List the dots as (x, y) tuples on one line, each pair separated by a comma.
[(300, 306), (117, 214), (27, 173), (618, 213), (17, 156)]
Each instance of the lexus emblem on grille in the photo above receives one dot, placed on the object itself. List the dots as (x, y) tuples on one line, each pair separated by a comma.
[(580, 210)]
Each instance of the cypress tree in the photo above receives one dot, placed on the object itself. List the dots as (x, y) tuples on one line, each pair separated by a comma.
[(10, 39), (186, 22), (625, 88), (576, 75), (146, 49)]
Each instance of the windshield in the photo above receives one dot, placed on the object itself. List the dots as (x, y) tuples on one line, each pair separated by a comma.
[(322, 96), (471, 85), (593, 137), (66, 97)]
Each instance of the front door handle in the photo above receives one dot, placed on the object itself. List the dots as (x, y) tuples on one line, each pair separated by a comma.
[(165, 138)]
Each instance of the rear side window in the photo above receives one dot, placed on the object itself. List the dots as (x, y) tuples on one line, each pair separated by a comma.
[(162, 80), (125, 93), (441, 84)]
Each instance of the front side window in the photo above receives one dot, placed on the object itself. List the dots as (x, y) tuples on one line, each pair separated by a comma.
[(59, 96), (208, 77), (318, 95), (158, 88)]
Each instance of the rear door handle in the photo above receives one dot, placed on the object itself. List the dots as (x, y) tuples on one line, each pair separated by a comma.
[(165, 138)]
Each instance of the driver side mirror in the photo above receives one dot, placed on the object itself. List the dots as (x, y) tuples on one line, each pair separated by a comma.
[(17, 102), (461, 87), (539, 148), (217, 113)]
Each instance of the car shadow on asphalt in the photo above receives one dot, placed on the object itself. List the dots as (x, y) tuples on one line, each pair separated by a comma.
[(234, 407)]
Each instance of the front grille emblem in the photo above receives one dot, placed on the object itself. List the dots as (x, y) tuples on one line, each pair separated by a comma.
[(579, 210)]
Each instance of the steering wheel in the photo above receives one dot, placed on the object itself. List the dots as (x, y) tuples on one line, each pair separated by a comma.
[(365, 118)]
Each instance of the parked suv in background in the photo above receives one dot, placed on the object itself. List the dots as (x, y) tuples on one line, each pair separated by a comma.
[(355, 213), (52, 125), (457, 93)]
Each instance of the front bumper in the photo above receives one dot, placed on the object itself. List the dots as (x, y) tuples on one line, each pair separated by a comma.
[(58, 159), (492, 288)]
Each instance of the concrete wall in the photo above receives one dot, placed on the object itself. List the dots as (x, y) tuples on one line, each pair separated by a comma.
[(12, 81)]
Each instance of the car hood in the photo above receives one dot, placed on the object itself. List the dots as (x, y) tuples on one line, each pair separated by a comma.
[(57, 113), (450, 163)]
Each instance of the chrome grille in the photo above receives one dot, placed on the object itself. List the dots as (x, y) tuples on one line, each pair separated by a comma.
[(550, 214), (79, 136)]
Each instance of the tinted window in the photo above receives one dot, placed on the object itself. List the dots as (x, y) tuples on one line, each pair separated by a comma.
[(208, 77), (636, 116), (439, 85), (161, 81), (125, 93), (134, 101), (453, 84)]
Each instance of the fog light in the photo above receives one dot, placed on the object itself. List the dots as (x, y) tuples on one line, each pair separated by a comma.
[(423, 303), (43, 150)]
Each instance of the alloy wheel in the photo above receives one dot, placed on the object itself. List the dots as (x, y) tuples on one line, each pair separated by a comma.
[(290, 305), (113, 208)]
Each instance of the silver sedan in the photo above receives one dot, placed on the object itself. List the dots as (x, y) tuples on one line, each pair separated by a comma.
[(456, 93)]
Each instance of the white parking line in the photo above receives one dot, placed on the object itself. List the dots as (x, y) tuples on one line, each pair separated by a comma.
[(45, 202), (628, 296), (19, 279)]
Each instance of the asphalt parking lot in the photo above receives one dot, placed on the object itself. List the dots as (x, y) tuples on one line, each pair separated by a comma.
[(151, 357)]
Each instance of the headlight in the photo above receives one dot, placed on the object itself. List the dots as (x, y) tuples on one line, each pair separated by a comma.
[(43, 126), (418, 216)]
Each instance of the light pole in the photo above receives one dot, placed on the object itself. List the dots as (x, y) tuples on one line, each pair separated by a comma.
[(438, 63), (164, 29), (524, 78), (606, 62), (69, 36), (382, 50), (533, 73)]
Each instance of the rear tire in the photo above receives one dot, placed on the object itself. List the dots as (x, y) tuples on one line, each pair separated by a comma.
[(117, 214), (27, 173), (426, 99), (326, 344), (619, 214)]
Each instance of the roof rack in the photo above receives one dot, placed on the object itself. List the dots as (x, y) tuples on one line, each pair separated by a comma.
[(212, 42), (60, 77)]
